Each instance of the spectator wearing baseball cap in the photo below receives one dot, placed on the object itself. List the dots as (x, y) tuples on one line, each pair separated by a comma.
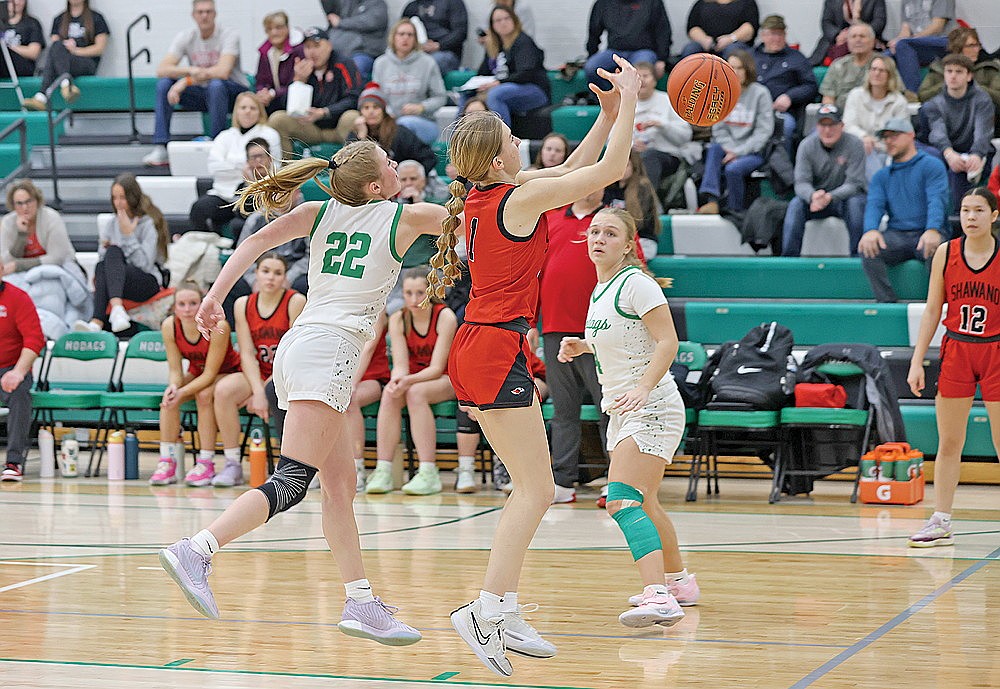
[(335, 83), (377, 124), (829, 181), (913, 193)]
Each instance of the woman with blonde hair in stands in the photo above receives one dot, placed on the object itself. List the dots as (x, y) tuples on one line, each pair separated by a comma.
[(31, 233), (869, 106), (506, 239), (262, 318), (421, 334), (634, 348), (209, 359), (357, 240)]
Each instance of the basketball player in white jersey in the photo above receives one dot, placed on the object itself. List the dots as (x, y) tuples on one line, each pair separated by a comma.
[(631, 335), (357, 240)]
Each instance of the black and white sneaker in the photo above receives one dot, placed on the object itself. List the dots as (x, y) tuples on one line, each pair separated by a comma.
[(484, 636)]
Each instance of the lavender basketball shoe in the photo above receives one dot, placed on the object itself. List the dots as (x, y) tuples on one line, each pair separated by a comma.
[(190, 569), (375, 621)]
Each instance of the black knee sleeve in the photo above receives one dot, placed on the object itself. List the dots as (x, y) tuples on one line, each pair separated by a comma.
[(464, 423), (287, 486)]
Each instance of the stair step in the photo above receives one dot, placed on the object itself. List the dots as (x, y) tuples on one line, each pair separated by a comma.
[(108, 172)]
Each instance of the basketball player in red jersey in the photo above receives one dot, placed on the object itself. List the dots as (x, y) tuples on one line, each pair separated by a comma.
[(965, 275), (506, 239), (207, 362), (372, 375), (258, 335)]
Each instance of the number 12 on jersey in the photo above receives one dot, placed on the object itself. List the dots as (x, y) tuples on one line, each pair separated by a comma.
[(973, 319), (336, 262)]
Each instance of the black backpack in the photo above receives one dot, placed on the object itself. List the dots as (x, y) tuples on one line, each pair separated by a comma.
[(758, 371)]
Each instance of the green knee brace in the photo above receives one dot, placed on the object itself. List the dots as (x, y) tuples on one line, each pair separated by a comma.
[(640, 532)]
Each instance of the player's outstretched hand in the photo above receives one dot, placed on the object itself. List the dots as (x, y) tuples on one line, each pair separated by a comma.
[(625, 80), (210, 314), (609, 100)]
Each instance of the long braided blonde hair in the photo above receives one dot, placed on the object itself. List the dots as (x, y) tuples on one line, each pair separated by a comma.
[(476, 141)]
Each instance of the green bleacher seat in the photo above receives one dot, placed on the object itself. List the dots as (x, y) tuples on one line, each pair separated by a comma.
[(820, 74), (779, 277), (562, 88), (38, 128), (666, 239), (574, 121), (882, 325), (441, 151), (8, 97), (454, 79), (920, 421), (10, 156), (97, 94)]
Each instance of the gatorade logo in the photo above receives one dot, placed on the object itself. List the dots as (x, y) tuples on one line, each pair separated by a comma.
[(884, 492)]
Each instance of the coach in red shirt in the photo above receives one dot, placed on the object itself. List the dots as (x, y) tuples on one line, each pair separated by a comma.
[(20, 341), (568, 280)]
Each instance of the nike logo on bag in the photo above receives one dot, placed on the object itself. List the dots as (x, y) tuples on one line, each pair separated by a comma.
[(748, 369)]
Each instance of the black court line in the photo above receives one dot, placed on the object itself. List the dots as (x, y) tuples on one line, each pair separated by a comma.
[(899, 619)]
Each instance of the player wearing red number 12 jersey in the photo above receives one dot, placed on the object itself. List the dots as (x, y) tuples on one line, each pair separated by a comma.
[(965, 275)]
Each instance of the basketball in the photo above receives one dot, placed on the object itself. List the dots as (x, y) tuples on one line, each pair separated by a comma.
[(703, 89)]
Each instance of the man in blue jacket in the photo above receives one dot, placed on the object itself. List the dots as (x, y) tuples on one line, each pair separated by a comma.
[(913, 192), (786, 73)]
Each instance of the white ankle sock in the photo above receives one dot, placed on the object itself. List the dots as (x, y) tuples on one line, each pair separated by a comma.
[(384, 465), (509, 602), (490, 604), (205, 543), (360, 590), (359, 464), (207, 456), (426, 465), (232, 454), (166, 452), (680, 577), (942, 516), (468, 463)]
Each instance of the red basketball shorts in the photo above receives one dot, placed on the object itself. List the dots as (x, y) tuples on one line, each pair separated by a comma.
[(966, 364), (488, 367)]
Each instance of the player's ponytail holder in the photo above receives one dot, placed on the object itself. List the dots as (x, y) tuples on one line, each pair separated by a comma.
[(333, 165), (462, 180)]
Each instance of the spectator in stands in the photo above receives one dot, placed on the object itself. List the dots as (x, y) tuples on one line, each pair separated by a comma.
[(568, 279), (553, 151), (660, 134), (32, 234), (838, 18), (516, 63), (357, 28), (639, 31), (961, 125), (829, 181), (335, 84), (78, 39), (869, 106), (721, 26), (963, 40), (636, 194), (446, 23), (922, 37), (20, 341), (411, 82), (276, 64), (415, 186), (420, 339), (524, 13), (209, 82), (786, 73), (376, 124), (24, 38), (230, 164), (849, 71), (133, 247), (738, 141), (257, 335), (913, 192)]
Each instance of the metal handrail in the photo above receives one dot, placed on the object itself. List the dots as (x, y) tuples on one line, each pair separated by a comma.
[(20, 125), (132, 57), (49, 92)]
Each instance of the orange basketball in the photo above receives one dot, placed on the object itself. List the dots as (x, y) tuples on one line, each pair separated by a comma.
[(703, 89)]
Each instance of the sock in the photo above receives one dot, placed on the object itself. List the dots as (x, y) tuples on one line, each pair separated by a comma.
[(207, 456), (942, 516), (383, 465), (468, 463), (359, 464), (680, 577), (40, 97), (509, 602), (232, 454), (426, 465), (166, 454), (65, 82), (359, 590), (205, 543), (490, 604)]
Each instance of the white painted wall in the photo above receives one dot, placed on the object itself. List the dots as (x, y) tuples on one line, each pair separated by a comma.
[(561, 25)]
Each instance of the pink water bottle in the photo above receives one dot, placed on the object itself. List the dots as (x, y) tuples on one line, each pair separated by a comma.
[(116, 456)]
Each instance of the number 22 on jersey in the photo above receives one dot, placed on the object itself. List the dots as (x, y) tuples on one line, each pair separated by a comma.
[(344, 253)]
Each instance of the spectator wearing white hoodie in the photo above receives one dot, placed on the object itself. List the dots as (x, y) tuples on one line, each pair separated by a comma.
[(411, 82), (660, 135)]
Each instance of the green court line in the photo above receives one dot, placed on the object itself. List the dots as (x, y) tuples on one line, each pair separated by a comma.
[(178, 663), (271, 673), (444, 676)]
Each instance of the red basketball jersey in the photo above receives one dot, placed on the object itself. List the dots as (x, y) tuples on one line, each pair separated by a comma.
[(378, 367), (197, 352), (504, 268), (421, 347), (267, 332), (973, 296)]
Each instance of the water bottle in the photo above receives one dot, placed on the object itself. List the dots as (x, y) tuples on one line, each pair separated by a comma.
[(116, 456), (69, 456), (47, 449), (131, 456), (258, 459)]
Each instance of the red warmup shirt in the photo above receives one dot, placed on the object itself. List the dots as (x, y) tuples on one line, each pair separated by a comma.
[(197, 352), (19, 325), (569, 276), (504, 268), (973, 296)]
